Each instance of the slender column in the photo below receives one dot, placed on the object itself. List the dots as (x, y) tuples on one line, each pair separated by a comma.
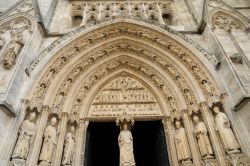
[(60, 142), (191, 139), (34, 155), (80, 142), (169, 134), (208, 119)]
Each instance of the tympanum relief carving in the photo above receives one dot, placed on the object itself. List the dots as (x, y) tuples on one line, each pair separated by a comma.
[(124, 94)]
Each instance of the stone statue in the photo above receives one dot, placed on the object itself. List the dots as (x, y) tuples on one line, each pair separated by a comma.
[(26, 133), (225, 131), (9, 57), (201, 134), (125, 141), (49, 143), (69, 147), (182, 146)]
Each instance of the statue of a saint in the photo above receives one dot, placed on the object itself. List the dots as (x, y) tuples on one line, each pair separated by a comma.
[(13, 49), (182, 146), (201, 134), (226, 134), (26, 133), (69, 147), (125, 141), (49, 143)]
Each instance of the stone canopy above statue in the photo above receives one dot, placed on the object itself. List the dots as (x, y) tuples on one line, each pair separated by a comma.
[(124, 94)]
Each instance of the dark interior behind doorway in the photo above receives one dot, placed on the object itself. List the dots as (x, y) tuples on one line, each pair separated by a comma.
[(149, 144)]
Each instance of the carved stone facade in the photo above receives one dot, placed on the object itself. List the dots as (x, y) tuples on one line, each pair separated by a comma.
[(65, 64)]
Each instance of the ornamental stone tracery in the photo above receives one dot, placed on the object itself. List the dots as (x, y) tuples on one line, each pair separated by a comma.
[(92, 12)]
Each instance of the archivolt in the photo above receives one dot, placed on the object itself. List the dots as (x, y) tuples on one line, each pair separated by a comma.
[(161, 53)]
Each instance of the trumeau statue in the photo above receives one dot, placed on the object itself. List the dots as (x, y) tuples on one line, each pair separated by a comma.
[(69, 147), (125, 140), (26, 134), (182, 146), (225, 131), (201, 134), (49, 143), (9, 57)]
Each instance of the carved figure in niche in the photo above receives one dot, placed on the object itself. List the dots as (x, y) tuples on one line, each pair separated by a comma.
[(225, 131), (26, 134), (49, 143), (40, 91), (2, 42), (9, 57), (237, 59), (207, 86), (125, 141), (69, 147), (201, 134), (182, 146), (49, 75)]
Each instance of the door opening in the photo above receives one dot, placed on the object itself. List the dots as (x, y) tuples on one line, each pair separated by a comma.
[(149, 144)]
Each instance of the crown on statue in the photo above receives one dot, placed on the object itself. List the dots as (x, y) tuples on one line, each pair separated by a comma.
[(124, 118)]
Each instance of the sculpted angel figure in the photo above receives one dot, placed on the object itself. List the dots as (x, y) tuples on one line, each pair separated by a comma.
[(69, 147), (201, 134), (225, 131), (49, 143), (26, 134), (125, 141), (182, 146)]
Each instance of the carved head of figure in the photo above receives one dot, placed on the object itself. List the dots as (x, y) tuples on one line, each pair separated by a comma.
[(53, 121), (216, 109), (125, 126), (177, 124), (72, 129), (196, 119), (32, 116)]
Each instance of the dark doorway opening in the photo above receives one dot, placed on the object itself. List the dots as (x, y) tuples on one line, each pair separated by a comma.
[(149, 144)]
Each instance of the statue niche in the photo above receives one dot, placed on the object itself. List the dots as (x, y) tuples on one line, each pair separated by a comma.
[(201, 134), (69, 147), (49, 143), (26, 133), (182, 146), (13, 49), (225, 131)]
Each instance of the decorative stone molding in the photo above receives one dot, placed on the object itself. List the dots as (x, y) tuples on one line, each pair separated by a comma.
[(224, 21), (114, 21)]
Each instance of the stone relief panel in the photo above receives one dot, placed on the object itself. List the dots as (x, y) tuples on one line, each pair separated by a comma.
[(124, 94)]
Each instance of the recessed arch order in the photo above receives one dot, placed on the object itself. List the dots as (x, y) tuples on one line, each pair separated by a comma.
[(175, 68)]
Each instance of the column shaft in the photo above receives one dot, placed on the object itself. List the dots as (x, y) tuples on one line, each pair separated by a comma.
[(208, 119), (60, 142), (191, 139), (41, 125), (169, 134), (80, 142)]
